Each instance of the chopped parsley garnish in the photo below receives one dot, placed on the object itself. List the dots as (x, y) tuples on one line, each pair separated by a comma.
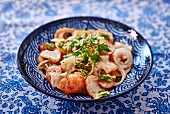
[(49, 46), (61, 44), (84, 72), (80, 64), (76, 52), (103, 47), (88, 49), (95, 57), (106, 78), (103, 93), (105, 36)]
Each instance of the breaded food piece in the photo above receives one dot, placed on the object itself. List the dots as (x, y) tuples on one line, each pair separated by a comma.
[(93, 86)]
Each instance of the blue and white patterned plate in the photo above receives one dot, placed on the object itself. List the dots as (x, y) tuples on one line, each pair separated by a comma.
[(28, 53)]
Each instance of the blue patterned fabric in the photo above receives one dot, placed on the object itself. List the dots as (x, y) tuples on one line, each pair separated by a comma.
[(150, 18)]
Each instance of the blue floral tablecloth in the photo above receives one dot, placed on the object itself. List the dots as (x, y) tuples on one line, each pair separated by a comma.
[(151, 18)]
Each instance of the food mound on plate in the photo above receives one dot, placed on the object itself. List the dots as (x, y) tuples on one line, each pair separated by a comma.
[(84, 61)]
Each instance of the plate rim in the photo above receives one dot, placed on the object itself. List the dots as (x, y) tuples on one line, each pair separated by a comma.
[(23, 72)]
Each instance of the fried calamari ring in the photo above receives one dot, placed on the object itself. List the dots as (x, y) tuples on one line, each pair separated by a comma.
[(63, 33), (122, 57), (81, 33)]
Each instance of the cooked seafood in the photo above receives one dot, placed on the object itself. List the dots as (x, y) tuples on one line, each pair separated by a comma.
[(54, 56), (53, 75), (72, 83), (84, 61), (63, 33), (123, 58), (93, 86)]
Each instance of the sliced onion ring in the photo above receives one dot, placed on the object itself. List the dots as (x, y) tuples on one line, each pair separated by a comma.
[(118, 73), (123, 74), (60, 32), (125, 52), (39, 68)]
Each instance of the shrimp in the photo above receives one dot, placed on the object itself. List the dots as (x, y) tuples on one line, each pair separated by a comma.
[(72, 83)]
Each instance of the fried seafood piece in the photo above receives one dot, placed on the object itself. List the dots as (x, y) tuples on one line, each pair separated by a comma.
[(91, 31), (40, 59), (105, 65), (53, 56), (68, 64), (92, 86), (81, 33), (72, 83), (120, 45), (53, 75), (63, 33)]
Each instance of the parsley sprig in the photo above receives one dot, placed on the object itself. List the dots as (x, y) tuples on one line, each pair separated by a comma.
[(105, 36), (103, 93), (106, 78), (88, 49)]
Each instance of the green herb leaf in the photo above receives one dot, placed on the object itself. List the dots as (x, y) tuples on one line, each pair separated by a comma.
[(49, 46), (104, 93), (80, 65), (84, 73), (103, 47), (85, 56), (106, 78), (101, 91), (95, 57), (76, 52), (89, 63), (61, 44), (105, 36)]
